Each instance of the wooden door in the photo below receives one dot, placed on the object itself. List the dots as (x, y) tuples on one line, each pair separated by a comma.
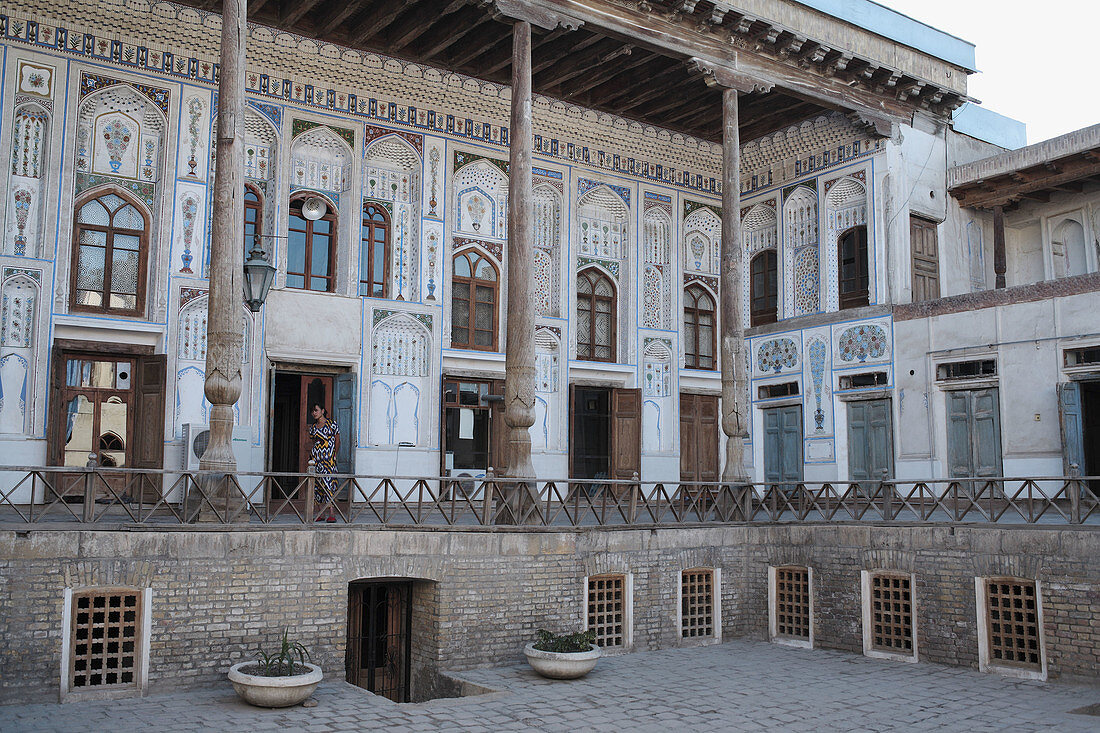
[(924, 244), (378, 647), (626, 433), (345, 416), (1071, 418), (314, 389), (698, 437), (870, 441), (973, 433), (783, 445)]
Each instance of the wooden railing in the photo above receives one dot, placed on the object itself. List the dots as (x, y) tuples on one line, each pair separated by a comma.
[(109, 496)]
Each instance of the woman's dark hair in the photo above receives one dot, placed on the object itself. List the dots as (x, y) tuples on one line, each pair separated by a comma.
[(320, 407)]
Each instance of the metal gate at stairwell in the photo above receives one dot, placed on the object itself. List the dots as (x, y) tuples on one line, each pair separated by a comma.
[(378, 651)]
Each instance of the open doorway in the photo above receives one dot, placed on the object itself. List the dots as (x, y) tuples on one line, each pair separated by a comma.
[(605, 437), (1090, 402), (379, 638), (293, 394)]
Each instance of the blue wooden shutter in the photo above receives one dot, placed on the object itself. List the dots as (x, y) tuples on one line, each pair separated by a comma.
[(791, 460), (880, 456), (1071, 416), (959, 453), (344, 414), (987, 432), (858, 438), (773, 471)]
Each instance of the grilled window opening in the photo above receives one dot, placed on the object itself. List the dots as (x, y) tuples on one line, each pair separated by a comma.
[(892, 613), (607, 605), (1012, 617), (792, 603), (697, 603), (973, 369), (105, 639)]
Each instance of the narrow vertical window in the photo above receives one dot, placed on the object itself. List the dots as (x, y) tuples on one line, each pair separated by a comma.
[(697, 608), (474, 287), (253, 217), (699, 329), (607, 608), (105, 645), (854, 269), (764, 288), (374, 251), (924, 245), (595, 316), (109, 251), (791, 605), (311, 249), (1012, 621)]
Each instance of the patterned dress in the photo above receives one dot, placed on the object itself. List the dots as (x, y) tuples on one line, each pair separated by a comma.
[(323, 454)]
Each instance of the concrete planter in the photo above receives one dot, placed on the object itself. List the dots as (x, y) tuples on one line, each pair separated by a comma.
[(562, 665), (274, 692)]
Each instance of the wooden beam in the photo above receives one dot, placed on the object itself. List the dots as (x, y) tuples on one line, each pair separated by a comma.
[(419, 20), (1000, 190), (336, 14), (609, 72), (576, 64), (297, 10), (563, 47), (254, 7), (445, 36), (480, 49), (378, 19)]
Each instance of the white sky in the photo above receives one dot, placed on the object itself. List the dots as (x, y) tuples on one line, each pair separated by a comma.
[(1037, 61)]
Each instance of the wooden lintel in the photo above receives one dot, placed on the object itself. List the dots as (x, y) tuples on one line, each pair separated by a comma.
[(715, 74), (539, 15)]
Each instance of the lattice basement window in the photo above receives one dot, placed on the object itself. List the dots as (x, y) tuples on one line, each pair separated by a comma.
[(697, 603), (1012, 615), (792, 603), (105, 646), (607, 609), (892, 613)]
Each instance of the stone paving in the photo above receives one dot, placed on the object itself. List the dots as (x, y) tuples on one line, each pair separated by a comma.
[(736, 686)]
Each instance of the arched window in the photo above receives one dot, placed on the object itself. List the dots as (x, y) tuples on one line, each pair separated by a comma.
[(474, 302), (374, 251), (699, 332), (110, 244), (764, 288), (854, 277), (311, 249), (253, 217), (595, 316)]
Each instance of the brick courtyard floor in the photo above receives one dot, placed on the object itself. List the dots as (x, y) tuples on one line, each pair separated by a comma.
[(737, 686)]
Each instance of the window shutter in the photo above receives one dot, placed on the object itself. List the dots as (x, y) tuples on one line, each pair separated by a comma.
[(689, 461), (987, 433), (1070, 416), (55, 433), (792, 443), (626, 433), (344, 414), (706, 432), (959, 455), (858, 438), (924, 245), (881, 456), (498, 430), (149, 434), (773, 472)]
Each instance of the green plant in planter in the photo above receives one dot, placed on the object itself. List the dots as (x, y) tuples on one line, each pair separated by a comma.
[(281, 663), (581, 641)]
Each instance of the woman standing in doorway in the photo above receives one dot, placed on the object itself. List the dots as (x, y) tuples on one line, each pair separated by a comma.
[(326, 441)]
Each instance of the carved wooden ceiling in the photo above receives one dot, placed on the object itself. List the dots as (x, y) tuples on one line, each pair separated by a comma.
[(601, 69)]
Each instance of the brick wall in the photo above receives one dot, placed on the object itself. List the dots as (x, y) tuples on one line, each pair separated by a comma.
[(218, 595)]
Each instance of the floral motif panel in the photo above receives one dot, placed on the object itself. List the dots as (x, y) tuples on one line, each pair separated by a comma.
[(320, 160), (544, 278), (653, 290), (777, 355), (863, 342), (806, 280), (29, 141), (817, 353), (17, 323), (481, 200), (602, 229), (702, 241), (546, 361), (400, 348)]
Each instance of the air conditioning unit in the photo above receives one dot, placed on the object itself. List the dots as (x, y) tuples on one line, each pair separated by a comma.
[(197, 435)]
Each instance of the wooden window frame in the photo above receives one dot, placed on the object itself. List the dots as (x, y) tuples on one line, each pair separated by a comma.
[(473, 257), (849, 297), (332, 218), (613, 310), (875, 618), (142, 624), (777, 575), (924, 265), (692, 314), (370, 226), (760, 315), (688, 623), (987, 632), (258, 207), (143, 253), (626, 622)]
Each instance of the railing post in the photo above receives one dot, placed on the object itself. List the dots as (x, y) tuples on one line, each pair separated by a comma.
[(311, 488), (887, 493), (635, 490), (487, 497), (1075, 494), (89, 487), (749, 490)]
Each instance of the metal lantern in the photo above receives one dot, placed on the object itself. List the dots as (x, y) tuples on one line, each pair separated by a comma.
[(258, 276)]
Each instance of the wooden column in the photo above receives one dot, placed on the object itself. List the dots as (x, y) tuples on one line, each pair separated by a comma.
[(1000, 262), (734, 378), (519, 380), (225, 335)]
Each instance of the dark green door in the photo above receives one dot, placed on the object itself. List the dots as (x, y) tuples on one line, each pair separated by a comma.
[(973, 433), (783, 444), (870, 441)]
